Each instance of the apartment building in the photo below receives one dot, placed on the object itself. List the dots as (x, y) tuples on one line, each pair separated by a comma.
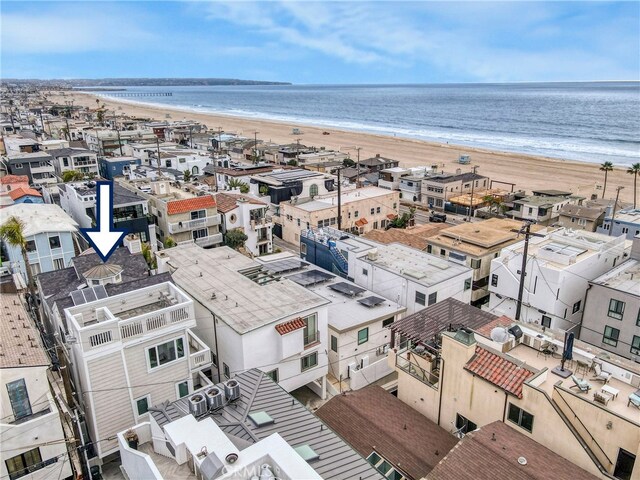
[(437, 189), (542, 209), (49, 232), (410, 187), (129, 352), (180, 159), (611, 319), (78, 159), (253, 429), (409, 277), (248, 214), (558, 270), (362, 210), (37, 166), (227, 174), (507, 372), (476, 245), (627, 223), (33, 441), (390, 177), (112, 167), (322, 159), (252, 317), (295, 184), (109, 143)]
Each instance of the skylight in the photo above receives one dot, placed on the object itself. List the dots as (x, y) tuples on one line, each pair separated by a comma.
[(260, 419), (307, 453)]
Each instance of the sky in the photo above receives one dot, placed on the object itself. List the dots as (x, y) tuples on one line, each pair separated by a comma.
[(323, 42)]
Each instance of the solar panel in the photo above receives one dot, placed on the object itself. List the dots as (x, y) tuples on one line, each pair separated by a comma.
[(346, 288), (89, 295), (77, 297), (311, 277), (371, 301), (86, 295), (286, 265), (100, 292)]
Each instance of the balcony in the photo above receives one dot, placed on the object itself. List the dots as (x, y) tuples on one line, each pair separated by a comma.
[(209, 241), (44, 169), (258, 223), (418, 366), (199, 353), (196, 224)]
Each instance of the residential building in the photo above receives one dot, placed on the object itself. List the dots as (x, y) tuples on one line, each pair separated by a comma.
[(438, 188), (410, 277), (49, 232), (25, 195), (544, 210), (112, 167), (33, 441), (227, 173), (16, 144), (252, 318), (410, 189), (627, 223), (296, 184), (363, 210), (558, 270), (9, 183), (139, 342), (611, 319), (248, 214), (357, 320), (78, 159), (390, 177), (378, 163), (508, 372), (130, 211), (578, 217), (322, 159), (180, 159), (37, 166), (256, 429), (416, 236), (109, 143), (476, 245)]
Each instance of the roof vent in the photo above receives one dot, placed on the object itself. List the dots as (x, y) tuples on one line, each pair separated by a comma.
[(522, 460)]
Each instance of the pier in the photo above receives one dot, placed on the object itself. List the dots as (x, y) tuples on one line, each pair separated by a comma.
[(142, 94)]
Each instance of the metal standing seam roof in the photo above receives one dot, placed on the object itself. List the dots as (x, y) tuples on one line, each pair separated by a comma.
[(498, 370), (292, 421)]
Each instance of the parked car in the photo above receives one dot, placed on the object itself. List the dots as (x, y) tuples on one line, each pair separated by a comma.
[(437, 217)]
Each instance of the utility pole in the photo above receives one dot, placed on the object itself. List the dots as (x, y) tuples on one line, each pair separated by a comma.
[(190, 136), (219, 140), (339, 200), (255, 146), (115, 124), (158, 149), (526, 230), (358, 168), (473, 182), (613, 215), (297, 151)]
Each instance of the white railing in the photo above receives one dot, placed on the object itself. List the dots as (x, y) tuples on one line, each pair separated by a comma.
[(374, 371), (210, 240), (194, 224), (200, 354), (138, 326), (136, 464), (45, 169)]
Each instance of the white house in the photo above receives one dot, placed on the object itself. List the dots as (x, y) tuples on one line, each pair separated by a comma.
[(247, 213), (251, 317), (78, 159), (558, 270), (33, 441)]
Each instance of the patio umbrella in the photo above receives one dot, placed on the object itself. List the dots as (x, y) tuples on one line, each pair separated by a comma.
[(567, 353)]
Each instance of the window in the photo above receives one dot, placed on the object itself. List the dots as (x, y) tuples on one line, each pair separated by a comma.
[(467, 284), (58, 263), (225, 369), (313, 190), (54, 242), (142, 405), (373, 210), (31, 246), (464, 425), (26, 462), (576, 306), (635, 345), (387, 322), (378, 210), (365, 272), (494, 280), (546, 321), (334, 343), (201, 233), (443, 252), (356, 213), (309, 361), (616, 309), (520, 417), (420, 298), (311, 330), (363, 336), (19, 399), (433, 298), (475, 263), (429, 248), (182, 388), (214, 359), (610, 336), (273, 375), (198, 214), (166, 352), (638, 319)]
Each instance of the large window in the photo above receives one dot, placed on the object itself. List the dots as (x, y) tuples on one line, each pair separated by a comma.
[(19, 399), (182, 389), (309, 361), (31, 246), (467, 284), (475, 263), (165, 352), (273, 375), (546, 321), (616, 309), (226, 370), (363, 336), (387, 322), (521, 417), (54, 242), (313, 190), (26, 462), (611, 336), (311, 330), (420, 298), (635, 345), (198, 214)]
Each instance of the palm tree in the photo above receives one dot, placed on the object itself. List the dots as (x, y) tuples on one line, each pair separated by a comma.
[(235, 183), (606, 167), (12, 232), (634, 170)]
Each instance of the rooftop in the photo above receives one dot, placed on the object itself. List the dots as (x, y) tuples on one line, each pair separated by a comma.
[(499, 370), (229, 201), (493, 452), (19, 339), (454, 177), (190, 204), (220, 279), (579, 211), (540, 201), (625, 277), (373, 420), (551, 193), (65, 152), (628, 215), (415, 237), (23, 192), (279, 178), (9, 179), (39, 218)]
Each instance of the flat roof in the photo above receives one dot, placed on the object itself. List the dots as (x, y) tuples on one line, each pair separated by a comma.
[(19, 339), (625, 277), (540, 201), (213, 277), (349, 196), (39, 218), (415, 237), (628, 215)]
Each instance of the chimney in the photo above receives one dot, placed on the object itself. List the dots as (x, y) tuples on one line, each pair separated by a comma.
[(133, 243), (465, 335)]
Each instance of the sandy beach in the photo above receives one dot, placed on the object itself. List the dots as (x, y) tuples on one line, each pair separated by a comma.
[(525, 171)]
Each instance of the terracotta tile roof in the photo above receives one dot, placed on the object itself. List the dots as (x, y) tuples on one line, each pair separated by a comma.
[(362, 222), (190, 204), (14, 179), (493, 452), (290, 326), (228, 201), (503, 321), (499, 371), (21, 192), (373, 419)]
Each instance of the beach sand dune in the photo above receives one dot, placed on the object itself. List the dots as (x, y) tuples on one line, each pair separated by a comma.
[(525, 171)]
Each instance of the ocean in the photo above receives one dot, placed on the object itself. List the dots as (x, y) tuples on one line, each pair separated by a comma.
[(591, 122)]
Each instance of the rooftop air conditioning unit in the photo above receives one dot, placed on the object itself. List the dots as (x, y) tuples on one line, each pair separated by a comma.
[(215, 398), (198, 405), (232, 390)]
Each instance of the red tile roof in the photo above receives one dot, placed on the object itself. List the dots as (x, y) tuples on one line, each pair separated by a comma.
[(362, 222), (290, 326), (14, 179), (21, 192), (228, 201), (499, 371), (190, 204)]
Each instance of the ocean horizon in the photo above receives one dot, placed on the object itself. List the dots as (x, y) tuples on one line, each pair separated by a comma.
[(585, 121)]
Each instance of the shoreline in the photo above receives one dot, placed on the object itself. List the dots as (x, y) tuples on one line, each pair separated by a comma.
[(527, 171)]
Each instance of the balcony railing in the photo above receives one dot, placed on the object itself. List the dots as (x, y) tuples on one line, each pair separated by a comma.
[(199, 353), (258, 222), (45, 169), (195, 224), (415, 370)]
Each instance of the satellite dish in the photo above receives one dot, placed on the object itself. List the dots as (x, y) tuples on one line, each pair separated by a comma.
[(499, 335)]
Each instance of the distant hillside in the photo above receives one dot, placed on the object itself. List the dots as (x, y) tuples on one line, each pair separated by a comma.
[(140, 82)]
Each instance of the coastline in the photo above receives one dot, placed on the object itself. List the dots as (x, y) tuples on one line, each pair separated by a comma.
[(528, 172)]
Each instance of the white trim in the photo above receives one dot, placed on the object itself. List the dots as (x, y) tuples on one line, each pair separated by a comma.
[(185, 348), (189, 388), (135, 406)]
